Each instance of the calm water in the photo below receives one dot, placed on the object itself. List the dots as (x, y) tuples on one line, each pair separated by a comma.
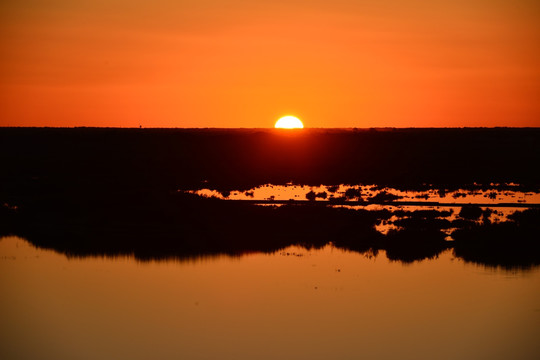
[(293, 304), (489, 196)]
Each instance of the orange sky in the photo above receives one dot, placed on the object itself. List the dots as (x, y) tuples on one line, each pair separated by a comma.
[(215, 63)]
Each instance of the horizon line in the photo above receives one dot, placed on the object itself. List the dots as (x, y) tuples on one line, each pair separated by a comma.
[(269, 128)]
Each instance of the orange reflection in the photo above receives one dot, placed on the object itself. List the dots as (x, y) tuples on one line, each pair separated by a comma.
[(366, 192), (314, 304)]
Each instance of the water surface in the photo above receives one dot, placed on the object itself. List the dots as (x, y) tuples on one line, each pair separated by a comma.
[(292, 304)]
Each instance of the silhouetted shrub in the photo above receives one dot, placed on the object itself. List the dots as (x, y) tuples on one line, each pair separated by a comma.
[(353, 193), (321, 195), (470, 212), (384, 196)]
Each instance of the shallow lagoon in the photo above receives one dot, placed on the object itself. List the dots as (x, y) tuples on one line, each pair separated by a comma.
[(293, 304)]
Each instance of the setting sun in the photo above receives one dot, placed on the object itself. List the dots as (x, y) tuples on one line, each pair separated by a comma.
[(289, 122)]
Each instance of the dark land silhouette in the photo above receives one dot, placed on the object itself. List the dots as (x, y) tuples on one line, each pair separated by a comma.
[(114, 192), (169, 159)]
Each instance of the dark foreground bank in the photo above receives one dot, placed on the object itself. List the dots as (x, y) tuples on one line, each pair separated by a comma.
[(115, 191), (168, 159)]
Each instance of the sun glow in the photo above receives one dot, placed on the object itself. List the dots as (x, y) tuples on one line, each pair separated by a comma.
[(289, 122)]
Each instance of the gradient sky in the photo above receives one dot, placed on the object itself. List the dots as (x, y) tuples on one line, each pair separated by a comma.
[(214, 63)]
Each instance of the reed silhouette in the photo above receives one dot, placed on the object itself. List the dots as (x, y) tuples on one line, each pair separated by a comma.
[(115, 192), (182, 226)]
